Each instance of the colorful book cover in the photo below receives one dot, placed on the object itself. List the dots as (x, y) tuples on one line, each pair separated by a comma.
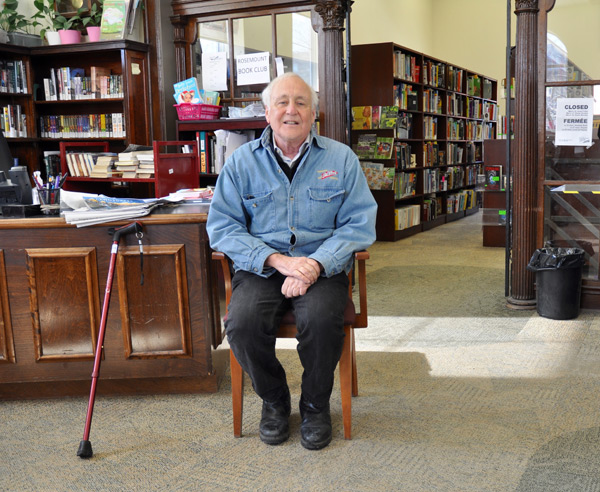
[(361, 118), (384, 148), (114, 19), (388, 117), (186, 91), (366, 145)]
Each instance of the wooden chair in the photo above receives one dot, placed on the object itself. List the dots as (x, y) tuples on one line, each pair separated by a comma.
[(287, 329)]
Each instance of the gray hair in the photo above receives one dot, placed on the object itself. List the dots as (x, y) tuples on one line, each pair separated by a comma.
[(266, 93)]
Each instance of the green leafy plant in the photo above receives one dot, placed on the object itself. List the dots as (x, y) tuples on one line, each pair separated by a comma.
[(94, 17), (12, 21), (45, 12), (73, 22)]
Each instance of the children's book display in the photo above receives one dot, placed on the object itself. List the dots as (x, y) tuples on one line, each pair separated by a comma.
[(187, 92)]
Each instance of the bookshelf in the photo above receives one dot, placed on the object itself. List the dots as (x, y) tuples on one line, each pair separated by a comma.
[(50, 121), (17, 103), (451, 111)]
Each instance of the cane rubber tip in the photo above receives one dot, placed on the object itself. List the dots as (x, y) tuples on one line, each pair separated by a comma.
[(85, 449)]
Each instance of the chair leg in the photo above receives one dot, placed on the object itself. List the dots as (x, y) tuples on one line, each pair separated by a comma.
[(354, 366), (237, 393), (346, 382)]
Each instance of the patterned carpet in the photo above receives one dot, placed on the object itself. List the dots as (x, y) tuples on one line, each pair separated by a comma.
[(457, 393)]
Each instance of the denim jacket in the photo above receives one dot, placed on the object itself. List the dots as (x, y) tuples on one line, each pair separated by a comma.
[(326, 212)]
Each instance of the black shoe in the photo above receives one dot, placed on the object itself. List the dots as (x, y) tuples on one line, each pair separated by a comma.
[(274, 427), (315, 429)]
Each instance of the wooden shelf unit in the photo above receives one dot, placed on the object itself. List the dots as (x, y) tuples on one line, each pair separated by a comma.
[(130, 59), (375, 75)]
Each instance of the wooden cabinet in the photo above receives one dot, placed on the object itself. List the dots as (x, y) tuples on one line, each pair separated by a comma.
[(160, 336), (451, 111)]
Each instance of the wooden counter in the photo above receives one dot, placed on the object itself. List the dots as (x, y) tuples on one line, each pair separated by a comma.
[(161, 337)]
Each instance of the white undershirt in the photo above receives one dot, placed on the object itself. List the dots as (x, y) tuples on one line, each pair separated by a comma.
[(292, 161)]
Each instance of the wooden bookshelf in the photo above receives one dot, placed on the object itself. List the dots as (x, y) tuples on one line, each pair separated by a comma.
[(17, 92), (128, 60), (449, 108)]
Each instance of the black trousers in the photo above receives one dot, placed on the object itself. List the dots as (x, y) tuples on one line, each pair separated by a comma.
[(254, 313)]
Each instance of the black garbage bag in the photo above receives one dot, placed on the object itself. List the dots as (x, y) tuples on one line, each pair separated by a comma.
[(558, 281), (556, 258)]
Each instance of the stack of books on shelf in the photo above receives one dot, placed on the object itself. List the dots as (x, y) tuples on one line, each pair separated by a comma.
[(83, 164), (104, 167), (146, 164), (127, 164)]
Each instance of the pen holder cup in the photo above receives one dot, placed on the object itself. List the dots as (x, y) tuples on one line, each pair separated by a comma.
[(50, 200)]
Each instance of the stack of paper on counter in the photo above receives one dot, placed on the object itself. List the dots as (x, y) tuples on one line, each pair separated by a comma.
[(91, 209)]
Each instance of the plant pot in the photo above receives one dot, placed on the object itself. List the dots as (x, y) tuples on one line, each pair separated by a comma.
[(93, 33), (69, 36), (53, 37), (24, 39)]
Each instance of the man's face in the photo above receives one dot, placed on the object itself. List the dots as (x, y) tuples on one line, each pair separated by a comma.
[(290, 112)]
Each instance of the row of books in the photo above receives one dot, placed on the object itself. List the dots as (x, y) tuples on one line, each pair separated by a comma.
[(13, 121), (405, 158), (475, 130), (455, 78), (68, 83), (483, 110), (13, 78), (406, 67), (214, 148), (405, 185), (457, 202), (374, 117), (477, 87), (448, 178), (453, 153), (434, 73), (135, 164), (105, 125), (432, 101), (405, 97), (407, 216)]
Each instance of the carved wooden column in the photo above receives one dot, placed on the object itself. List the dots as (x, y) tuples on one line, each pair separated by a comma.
[(524, 167), (332, 114), (180, 43)]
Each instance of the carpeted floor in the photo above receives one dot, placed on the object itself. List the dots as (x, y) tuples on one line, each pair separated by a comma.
[(457, 393)]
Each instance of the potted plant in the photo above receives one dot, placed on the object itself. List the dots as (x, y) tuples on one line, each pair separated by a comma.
[(93, 20), (69, 27), (20, 29), (46, 12)]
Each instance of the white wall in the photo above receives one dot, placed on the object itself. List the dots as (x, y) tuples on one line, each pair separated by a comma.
[(467, 33), (405, 22)]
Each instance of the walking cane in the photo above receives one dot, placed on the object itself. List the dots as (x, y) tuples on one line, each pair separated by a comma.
[(85, 446)]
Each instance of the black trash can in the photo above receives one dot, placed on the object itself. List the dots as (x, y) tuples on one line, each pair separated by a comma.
[(558, 281)]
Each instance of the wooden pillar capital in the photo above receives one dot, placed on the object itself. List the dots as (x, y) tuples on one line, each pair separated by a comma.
[(332, 108)]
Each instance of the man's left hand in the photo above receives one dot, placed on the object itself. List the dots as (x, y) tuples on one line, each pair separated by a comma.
[(292, 287)]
